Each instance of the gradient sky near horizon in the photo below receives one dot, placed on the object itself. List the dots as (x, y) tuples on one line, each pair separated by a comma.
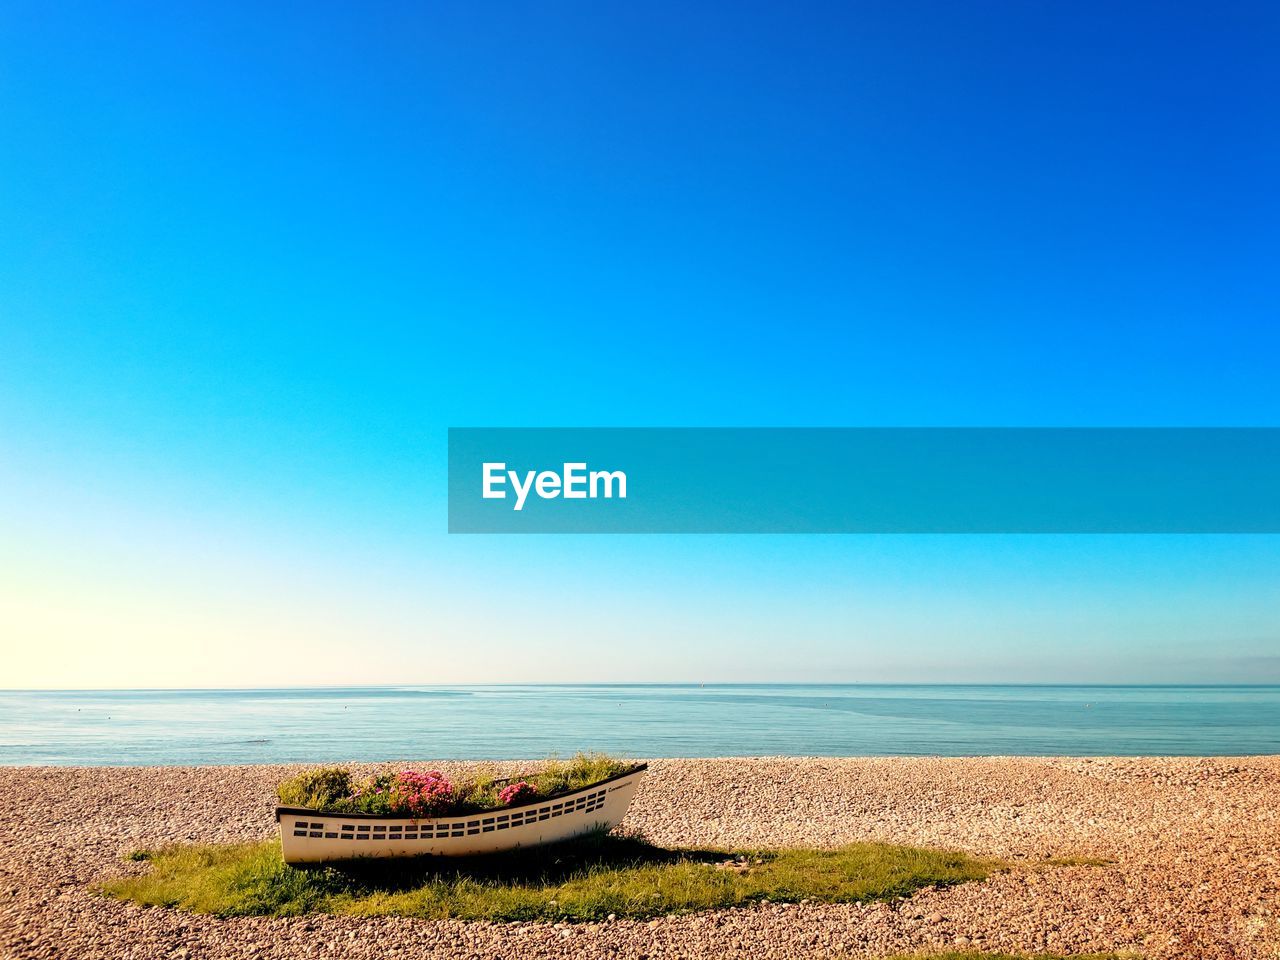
[(256, 258)]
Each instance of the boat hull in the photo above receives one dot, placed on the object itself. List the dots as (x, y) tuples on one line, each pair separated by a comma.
[(311, 836)]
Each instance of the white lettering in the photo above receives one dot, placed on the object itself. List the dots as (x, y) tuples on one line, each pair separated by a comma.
[(548, 484), (573, 474), (609, 476), (493, 475), (521, 492), (574, 482)]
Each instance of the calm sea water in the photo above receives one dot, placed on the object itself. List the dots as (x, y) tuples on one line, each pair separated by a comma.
[(389, 723)]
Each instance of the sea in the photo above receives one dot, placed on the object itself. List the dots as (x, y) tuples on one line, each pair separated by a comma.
[(183, 727)]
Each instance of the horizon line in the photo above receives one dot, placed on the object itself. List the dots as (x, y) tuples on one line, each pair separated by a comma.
[(641, 683)]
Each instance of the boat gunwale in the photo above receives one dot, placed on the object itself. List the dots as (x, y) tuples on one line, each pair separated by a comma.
[(283, 811)]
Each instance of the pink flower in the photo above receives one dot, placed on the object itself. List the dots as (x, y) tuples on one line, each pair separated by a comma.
[(421, 794), (517, 792)]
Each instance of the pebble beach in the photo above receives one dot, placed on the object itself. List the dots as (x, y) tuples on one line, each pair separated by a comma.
[(1158, 857)]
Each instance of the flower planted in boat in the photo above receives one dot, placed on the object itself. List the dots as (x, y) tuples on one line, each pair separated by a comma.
[(412, 793), (375, 795), (517, 792), (427, 794)]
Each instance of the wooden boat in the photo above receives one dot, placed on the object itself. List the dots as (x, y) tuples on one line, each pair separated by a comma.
[(313, 836)]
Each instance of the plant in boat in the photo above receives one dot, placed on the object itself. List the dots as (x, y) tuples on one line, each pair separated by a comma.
[(411, 793)]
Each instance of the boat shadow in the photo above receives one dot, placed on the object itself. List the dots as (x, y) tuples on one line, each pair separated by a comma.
[(550, 864)]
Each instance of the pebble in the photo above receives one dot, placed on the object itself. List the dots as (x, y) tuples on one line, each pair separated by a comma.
[(1166, 857)]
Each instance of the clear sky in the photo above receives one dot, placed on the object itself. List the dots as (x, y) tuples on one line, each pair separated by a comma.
[(255, 259)]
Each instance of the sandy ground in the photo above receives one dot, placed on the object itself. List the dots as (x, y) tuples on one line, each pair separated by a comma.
[(1194, 845)]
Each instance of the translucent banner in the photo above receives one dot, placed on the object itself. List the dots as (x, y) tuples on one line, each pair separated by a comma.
[(864, 480)]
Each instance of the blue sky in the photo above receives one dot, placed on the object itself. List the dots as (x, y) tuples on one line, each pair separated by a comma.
[(255, 260)]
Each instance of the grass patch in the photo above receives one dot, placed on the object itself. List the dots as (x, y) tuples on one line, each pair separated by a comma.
[(579, 881), (318, 789)]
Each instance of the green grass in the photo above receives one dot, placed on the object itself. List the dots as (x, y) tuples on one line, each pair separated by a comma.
[(579, 881), (582, 770), (317, 789)]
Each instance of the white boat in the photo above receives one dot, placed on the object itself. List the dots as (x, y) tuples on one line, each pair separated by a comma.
[(313, 836)]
